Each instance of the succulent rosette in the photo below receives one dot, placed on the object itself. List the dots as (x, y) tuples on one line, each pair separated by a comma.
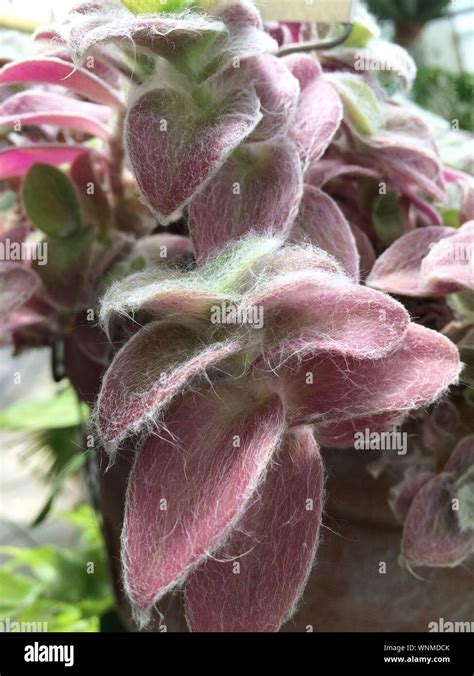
[(225, 223)]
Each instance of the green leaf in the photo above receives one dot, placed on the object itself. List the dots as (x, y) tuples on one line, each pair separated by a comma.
[(231, 267), (462, 302), (17, 590), (65, 273), (153, 6), (58, 586), (360, 103), (55, 412), (364, 29), (451, 218), (72, 466), (388, 217), (51, 201), (7, 200)]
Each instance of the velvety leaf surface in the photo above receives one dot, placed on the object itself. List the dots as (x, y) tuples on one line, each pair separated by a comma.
[(176, 144), (254, 582), (257, 190), (189, 485)]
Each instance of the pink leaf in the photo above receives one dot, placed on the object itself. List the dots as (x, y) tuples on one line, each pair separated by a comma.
[(273, 545), (341, 434), (415, 374), (257, 190), (277, 89), (190, 485), (449, 265), (431, 536), (151, 368), (35, 108), (398, 270), (17, 161), (402, 495), (324, 171), (44, 70), (322, 223), (307, 313), (164, 132), (17, 284), (319, 111)]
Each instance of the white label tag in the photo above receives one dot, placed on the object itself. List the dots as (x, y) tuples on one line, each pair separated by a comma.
[(325, 11)]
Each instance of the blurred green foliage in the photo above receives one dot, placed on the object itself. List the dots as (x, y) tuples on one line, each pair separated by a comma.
[(68, 588), (408, 11), (446, 94), (53, 425)]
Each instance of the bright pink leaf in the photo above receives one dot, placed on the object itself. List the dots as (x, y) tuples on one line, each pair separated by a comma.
[(36, 108), (17, 161), (46, 70)]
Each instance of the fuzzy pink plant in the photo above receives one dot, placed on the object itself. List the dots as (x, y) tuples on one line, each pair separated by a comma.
[(228, 471), (291, 181)]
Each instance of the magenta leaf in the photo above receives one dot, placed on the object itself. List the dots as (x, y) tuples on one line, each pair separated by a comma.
[(255, 580), (38, 108), (49, 70), (190, 484), (164, 132), (17, 161)]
